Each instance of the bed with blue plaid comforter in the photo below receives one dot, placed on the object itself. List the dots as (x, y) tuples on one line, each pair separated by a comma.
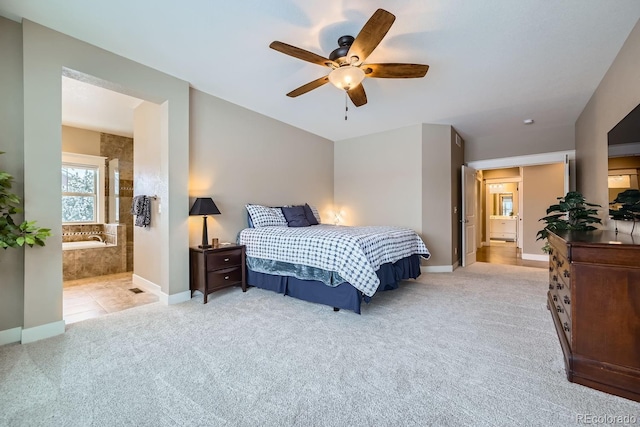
[(355, 253)]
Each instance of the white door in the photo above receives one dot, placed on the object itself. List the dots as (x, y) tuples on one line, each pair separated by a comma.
[(469, 215)]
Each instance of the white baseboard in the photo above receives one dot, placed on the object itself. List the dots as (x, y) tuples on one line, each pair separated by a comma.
[(12, 335), (147, 285), (43, 331), (176, 298), (436, 268), (156, 290), (536, 257)]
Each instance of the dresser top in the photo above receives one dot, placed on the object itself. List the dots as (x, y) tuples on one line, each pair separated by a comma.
[(598, 237)]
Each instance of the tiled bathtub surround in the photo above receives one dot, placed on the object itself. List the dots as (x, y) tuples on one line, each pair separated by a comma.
[(82, 263)]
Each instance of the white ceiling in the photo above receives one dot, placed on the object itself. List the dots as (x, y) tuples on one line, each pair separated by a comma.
[(493, 62), (91, 107)]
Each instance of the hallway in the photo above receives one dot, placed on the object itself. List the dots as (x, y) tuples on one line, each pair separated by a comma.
[(501, 252)]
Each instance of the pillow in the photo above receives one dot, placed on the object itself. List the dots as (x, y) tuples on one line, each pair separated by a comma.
[(316, 214), (295, 216), (311, 217), (264, 216)]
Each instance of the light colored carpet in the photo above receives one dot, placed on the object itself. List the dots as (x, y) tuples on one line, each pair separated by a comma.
[(474, 347)]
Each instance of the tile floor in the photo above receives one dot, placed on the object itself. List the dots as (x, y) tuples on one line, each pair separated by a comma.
[(96, 296)]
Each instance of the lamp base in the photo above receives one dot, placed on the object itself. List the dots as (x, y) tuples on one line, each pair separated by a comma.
[(205, 246)]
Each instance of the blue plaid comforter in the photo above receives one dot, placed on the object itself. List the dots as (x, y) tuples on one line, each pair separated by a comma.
[(353, 252)]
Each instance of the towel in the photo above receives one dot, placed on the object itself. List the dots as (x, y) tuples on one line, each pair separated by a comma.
[(141, 208)]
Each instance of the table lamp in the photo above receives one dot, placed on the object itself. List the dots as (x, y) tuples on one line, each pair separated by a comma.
[(204, 206)]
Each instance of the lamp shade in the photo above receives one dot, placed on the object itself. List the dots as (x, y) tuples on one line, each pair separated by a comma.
[(346, 77), (204, 206)]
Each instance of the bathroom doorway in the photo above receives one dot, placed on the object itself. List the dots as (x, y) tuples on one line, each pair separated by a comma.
[(97, 178)]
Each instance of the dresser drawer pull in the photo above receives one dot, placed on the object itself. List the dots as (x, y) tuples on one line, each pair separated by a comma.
[(550, 286), (226, 277), (226, 260), (554, 278), (555, 298), (567, 300), (550, 268), (559, 309), (566, 327), (559, 285), (560, 263), (551, 251), (555, 259), (566, 273)]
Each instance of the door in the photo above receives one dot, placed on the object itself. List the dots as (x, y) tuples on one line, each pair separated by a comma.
[(469, 215)]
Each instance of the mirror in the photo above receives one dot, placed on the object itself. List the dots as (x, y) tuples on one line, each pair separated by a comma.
[(502, 204), (624, 154)]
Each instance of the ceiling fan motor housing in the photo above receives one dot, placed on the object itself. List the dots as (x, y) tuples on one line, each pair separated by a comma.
[(345, 44)]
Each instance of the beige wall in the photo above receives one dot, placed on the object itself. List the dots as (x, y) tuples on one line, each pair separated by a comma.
[(46, 54), (617, 94), (541, 187), (437, 193), (457, 160), (147, 253), (405, 177), (522, 141), (81, 141), (238, 156), (377, 178), (11, 105), (501, 173)]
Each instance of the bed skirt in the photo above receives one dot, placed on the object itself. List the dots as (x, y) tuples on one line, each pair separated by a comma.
[(344, 295)]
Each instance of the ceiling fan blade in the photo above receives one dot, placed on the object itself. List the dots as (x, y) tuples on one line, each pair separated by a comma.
[(358, 96), (308, 87), (395, 71), (305, 55), (371, 35)]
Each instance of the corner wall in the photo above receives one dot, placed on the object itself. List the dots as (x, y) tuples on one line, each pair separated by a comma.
[(617, 94)]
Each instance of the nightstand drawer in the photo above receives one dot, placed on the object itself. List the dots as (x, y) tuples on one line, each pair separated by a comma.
[(225, 259), (225, 277)]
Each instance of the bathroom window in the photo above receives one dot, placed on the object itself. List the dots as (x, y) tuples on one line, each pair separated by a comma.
[(82, 189), (79, 193)]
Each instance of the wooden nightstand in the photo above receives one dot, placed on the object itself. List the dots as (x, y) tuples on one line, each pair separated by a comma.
[(216, 268)]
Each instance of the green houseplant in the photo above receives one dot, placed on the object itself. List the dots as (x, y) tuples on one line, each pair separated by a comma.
[(14, 235), (628, 203), (572, 212)]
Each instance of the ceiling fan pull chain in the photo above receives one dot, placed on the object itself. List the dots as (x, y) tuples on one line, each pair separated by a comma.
[(346, 105)]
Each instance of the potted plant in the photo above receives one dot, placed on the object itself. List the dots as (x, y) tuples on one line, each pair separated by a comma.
[(14, 235), (628, 203), (572, 212)]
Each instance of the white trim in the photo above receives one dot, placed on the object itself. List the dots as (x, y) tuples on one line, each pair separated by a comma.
[(9, 336), (41, 332), (529, 160), (436, 268), (175, 298), (501, 180), (157, 290), (536, 257), (147, 285)]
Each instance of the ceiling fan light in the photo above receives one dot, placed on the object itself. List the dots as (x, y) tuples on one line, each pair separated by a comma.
[(346, 77)]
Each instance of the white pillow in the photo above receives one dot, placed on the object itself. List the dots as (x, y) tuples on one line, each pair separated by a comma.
[(265, 216), (315, 212)]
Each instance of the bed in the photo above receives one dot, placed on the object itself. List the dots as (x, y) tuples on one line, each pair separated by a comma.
[(338, 266)]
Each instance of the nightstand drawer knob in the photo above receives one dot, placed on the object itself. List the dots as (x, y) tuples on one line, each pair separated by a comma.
[(226, 277), (226, 260)]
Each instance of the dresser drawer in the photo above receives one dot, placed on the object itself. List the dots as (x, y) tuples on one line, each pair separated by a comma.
[(224, 259), (225, 277), (558, 247)]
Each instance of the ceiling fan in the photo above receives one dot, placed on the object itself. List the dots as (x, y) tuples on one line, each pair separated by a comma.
[(348, 68)]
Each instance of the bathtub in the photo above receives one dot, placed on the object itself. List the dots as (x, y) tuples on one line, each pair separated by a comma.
[(87, 244)]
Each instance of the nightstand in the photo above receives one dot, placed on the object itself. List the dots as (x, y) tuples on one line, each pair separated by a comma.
[(213, 269)]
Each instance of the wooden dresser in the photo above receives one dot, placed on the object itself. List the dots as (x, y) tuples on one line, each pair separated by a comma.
[(594, 298)]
